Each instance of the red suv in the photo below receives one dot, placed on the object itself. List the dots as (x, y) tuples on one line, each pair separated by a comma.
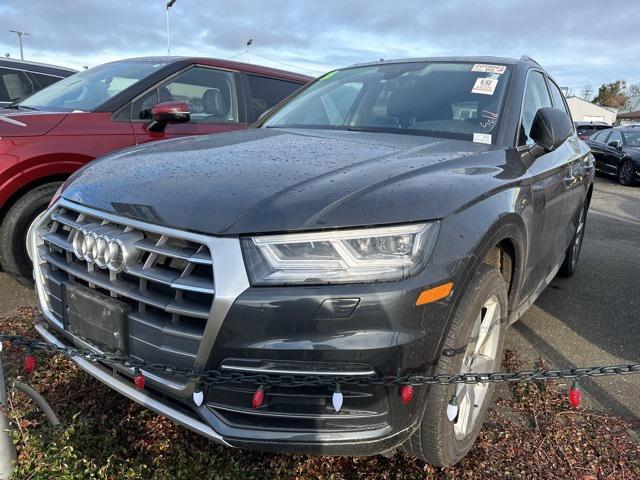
[(50, 134)]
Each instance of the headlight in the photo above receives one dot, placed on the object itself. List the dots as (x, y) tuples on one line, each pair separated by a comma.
[(340, 256)]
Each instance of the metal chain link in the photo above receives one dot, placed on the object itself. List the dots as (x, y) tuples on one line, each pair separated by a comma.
[(219, 377)]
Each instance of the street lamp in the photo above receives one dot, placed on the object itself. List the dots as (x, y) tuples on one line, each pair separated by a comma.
[(20, 34), (169, 5)]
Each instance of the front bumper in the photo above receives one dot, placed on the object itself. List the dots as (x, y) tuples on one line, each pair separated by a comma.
[(367, 329)]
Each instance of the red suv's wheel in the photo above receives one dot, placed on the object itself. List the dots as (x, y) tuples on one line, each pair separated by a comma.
[(13, 231)]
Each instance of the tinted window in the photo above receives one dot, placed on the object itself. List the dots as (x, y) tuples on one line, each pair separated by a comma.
[(87, 90), (632, 139), (418, 98), (14, 85), (615, 137), (266, 93), (536, 96), (601, 136), (45, 80), (210, 93)]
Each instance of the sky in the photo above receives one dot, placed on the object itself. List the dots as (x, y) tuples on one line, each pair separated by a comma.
[(584, 42)]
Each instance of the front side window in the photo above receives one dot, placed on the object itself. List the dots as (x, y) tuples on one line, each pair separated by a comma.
[(455, 100), (86, 91), (558, 98), (536, 96), (14, 85), (266, 93), (210, 93)]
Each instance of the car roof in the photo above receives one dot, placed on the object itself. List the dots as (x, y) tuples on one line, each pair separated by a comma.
[(35, 66), (471, 59), (228, 64)]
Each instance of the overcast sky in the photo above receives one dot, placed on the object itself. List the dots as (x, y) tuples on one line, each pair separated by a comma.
[(584, 42)]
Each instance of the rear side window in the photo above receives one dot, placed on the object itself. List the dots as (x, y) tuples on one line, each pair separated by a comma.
[(601, 136), (266, 93), (536, 96), (210, 93), (44, 80), (14, 85)]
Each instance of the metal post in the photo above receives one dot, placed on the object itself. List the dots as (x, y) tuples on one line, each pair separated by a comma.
[(20, 34), (169, 5), (7, 448)]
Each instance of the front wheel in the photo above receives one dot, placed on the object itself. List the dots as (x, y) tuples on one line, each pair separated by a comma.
[(13, 231), (477, 333), (625, 173)]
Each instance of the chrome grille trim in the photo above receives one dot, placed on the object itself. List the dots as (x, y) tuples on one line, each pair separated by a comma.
[(50, 250)]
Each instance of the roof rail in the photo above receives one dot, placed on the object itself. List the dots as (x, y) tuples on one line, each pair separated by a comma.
[(526, 58)]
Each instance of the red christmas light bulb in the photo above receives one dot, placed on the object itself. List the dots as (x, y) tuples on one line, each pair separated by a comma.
[(138, 380), (575, 395), (258, 397), (29, 363), (406, 394)]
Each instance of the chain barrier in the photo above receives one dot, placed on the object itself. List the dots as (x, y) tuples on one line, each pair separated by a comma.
[(220, 377)]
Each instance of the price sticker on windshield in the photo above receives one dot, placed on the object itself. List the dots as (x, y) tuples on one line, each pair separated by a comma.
[(485, 86), (485, 68)]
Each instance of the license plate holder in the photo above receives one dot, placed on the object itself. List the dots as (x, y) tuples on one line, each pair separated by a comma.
[(95, 317)]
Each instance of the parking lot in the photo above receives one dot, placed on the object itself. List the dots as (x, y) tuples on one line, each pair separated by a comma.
[(590, 319)]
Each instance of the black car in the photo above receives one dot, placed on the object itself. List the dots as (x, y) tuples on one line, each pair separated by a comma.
[(390, 218), (617, 152), (586, 129), (19, 79)]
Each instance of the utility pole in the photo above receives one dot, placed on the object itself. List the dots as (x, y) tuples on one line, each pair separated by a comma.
[(169, 5), (20, 34)]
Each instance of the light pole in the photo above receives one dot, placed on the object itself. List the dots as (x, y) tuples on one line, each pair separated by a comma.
[(169, 5), (20, 34)]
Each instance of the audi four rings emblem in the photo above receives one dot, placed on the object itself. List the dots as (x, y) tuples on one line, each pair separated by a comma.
[(106, 246)]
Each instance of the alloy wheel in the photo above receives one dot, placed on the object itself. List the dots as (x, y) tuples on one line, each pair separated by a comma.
[(481, 356)]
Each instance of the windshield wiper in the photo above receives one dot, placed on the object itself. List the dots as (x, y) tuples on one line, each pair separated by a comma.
[(17, 106)]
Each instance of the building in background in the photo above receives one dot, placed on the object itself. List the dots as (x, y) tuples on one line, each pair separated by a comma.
[(630, 114), (584, 111)]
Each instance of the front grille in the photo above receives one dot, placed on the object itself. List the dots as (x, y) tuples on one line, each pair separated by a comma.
[(170, 287)]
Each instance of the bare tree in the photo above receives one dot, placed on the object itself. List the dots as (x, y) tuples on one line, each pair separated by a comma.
[(587, 93)]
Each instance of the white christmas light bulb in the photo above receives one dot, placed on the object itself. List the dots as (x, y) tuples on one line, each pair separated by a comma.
[(452, 408), (336, 399), (198, 397)]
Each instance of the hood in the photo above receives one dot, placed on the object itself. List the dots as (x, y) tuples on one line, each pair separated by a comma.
[(27, 123), (276, 180)]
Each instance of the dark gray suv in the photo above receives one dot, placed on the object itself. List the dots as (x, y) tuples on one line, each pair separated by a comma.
[(390, 218)]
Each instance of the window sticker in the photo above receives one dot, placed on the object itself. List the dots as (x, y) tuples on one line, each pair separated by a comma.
[(482, 138), (485, 86), (485, 68)]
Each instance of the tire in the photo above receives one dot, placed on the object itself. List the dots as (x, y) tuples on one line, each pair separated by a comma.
[(13, 231), (438, 440), (572, 255), (625, 173)]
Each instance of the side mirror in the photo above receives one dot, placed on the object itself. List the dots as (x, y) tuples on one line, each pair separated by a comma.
[(615, 144), (550, 128), (168, 112)]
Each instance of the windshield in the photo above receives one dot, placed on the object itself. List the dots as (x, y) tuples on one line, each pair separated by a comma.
[(87, 90), (459, 100), (632, 139)]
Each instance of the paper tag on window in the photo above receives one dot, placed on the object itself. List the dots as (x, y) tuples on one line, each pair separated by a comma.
[(482, 138), (485, 68), (485, 86)]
